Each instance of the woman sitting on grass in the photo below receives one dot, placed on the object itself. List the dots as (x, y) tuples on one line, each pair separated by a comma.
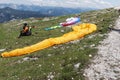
[(26, 31)]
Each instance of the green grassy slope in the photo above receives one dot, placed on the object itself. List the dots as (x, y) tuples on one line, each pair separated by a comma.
[(57, 62)]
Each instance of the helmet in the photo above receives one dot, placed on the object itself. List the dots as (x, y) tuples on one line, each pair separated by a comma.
[(25, 24)]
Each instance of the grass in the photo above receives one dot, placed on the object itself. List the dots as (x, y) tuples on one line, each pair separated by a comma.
[(56, 62)]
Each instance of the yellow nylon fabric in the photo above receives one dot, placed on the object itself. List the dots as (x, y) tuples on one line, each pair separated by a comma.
[(78, 32)]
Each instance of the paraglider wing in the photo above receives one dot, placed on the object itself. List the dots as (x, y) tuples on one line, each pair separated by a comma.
[(78, 32), (70, 21)]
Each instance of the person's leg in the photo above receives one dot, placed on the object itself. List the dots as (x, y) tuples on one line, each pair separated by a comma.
[(21, 34), (28, 33)]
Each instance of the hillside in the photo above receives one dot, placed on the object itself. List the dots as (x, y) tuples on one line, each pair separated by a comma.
[(60, 62), (7, 14)]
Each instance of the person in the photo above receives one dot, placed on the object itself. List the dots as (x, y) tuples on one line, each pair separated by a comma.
[(26, 30)]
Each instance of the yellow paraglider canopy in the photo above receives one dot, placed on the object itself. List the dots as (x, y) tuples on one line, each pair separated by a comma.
[(78, 32)]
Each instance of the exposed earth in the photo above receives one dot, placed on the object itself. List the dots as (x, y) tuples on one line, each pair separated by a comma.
[(106, 64)]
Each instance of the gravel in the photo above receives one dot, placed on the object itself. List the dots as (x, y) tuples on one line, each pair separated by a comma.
[(106, 64)]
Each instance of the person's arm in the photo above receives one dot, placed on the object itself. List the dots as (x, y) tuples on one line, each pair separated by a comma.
[(26, 28)]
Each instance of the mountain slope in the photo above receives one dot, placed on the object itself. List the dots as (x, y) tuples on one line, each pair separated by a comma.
[(7, 14), (60, 62), (48, 10)]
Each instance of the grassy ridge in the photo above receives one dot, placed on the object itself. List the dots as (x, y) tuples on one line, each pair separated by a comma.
[(57, 62)]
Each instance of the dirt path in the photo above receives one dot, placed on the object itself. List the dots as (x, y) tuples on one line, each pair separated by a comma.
[(106, 65)]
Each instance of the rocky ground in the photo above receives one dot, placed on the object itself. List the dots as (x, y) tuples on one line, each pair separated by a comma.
[(106, 65)]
